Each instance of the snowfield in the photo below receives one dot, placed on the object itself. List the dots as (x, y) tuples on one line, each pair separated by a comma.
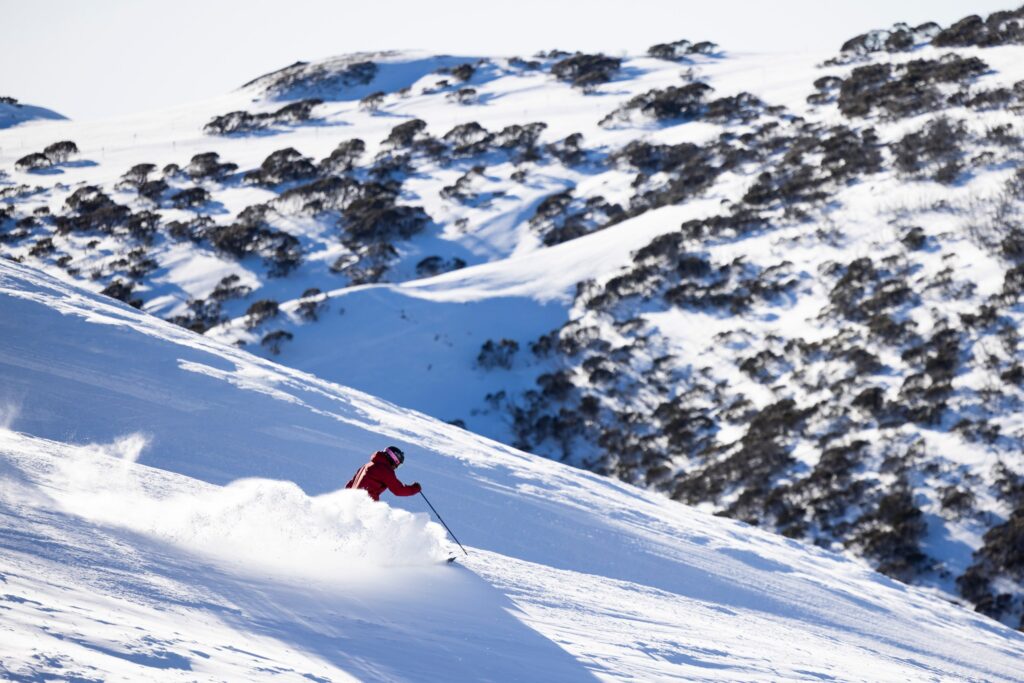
[(171, 510), (781, 289)]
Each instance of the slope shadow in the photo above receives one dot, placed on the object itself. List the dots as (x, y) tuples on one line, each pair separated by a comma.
[(13, 114)]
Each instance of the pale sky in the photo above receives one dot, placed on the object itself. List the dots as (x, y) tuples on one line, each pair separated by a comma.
[(98, 58)]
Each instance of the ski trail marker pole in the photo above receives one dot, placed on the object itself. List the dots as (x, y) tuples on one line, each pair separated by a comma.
[(443, 524)]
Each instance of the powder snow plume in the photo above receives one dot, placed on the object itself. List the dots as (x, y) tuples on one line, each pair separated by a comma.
[(9, 412), (269, 524)]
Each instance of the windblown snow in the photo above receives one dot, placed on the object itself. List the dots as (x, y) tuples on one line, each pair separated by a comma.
[(258, 523)]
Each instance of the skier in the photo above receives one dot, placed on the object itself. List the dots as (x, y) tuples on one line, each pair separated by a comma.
[(379, 474)]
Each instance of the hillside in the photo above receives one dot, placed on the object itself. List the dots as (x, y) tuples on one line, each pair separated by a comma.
[(781, 288), (177, 516), (14, 113)]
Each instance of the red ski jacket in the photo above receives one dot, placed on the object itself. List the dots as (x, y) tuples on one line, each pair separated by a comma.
[(377, 475)]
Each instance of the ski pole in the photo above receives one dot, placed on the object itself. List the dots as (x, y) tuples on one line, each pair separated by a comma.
[(443, 524)]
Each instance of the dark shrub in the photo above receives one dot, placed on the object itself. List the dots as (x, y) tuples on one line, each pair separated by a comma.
[(521, 140), (463, 96), (368, 263), (207, 165), (899, 39), (704, 47), (33, 162), (373, 101), (741, 107), (891, 534), (914, 238), (86, 199), (938, 144), (1000, 28), (42, 247), (526, 65), (904, 89), (204, 314), (143, 225), (344, 156), (153, 189), (282, 166), (872, 398), (787, 185), (758, 458), (196, 229), (323, 78), (251, 235), (403, 134), (555, 385), (136, 176), (234, 122), (312, 304), (652, 159), (568, 150), (122, 291), (95, 212), (435, 265), (468, 139), (670, 51), (683, 102), (261, 311), (322, 194), (296, 112), (139, 265), (243, 121), (1000, 558), (59, 152), (375, 218), (229, 288), (827, 89), (462, 72), (190, 198), (586, 71), (497, 355), (956, 500), (272, 340), (104, 219), (462, 189), (847, 154)]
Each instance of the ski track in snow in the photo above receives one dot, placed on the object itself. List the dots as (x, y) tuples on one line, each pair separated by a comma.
[(109, 572)]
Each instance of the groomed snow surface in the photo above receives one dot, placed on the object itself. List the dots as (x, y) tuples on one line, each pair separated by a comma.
[(172, 509)]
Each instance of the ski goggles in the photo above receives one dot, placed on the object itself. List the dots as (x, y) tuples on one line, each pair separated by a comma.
[(395, 457)]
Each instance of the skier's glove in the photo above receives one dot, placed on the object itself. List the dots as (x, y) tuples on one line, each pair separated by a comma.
[(416, 485)]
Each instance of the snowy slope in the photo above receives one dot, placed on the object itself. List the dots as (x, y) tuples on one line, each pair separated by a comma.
[(171, 510), (782, 288), (14, 113)]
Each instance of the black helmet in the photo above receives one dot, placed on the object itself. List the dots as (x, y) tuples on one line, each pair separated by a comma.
[(395, 454)]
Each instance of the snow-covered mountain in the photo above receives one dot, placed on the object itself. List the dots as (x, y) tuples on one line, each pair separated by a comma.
[(783, 288), (171, 511)]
